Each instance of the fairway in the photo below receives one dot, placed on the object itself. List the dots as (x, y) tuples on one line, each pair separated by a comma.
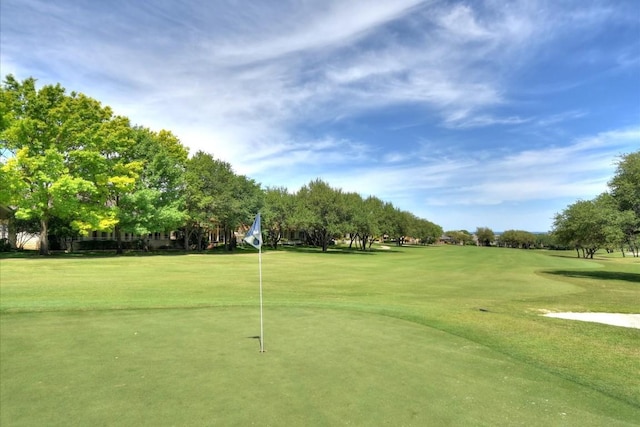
[(409, 336)]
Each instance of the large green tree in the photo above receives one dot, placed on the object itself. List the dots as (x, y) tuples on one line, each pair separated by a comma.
[(277, 213), (216, 197), (199, 198), (625, 189), (320, 213), (485, 236), (61, 166), (625, 185), (368, 220), (156, 203), (611, 220), (459, 237), (247, 198), (389, 227), (427, 232), (517, 239), (352, 217), (588, 225)]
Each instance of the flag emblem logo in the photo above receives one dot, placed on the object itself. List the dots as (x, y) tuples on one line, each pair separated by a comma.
[(254, 235)]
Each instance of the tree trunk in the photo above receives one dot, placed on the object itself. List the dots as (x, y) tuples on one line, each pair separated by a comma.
[(116, 230), (353, 237), (364, 241), (13, 232), (68, 242), (199, 234), (44, 237), (274, 238), (227, 239)]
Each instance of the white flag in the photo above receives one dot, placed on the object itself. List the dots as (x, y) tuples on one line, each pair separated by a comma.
[(254, 235)]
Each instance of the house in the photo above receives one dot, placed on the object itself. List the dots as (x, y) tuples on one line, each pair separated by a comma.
[(444, 239), (21, 240), (7, 230)]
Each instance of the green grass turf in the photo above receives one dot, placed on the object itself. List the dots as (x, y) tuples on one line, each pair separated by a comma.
[(394, 337)]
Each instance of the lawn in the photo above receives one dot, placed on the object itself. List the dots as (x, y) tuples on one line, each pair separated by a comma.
[(407, 336)]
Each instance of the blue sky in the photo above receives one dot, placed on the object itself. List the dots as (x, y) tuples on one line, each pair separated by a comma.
[(478, 113)]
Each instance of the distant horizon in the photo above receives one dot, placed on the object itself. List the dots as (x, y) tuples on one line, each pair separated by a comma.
[(465, 114)]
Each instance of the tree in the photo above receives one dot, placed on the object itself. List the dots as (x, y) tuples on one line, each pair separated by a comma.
[(625, 189), (485, 236), (387, 221), (617, 225), (369, 221), (459, 237), (199, 198), (398, 224), (566, 225), (62, 234), (247, 200), (625, 185), (320, 213), (588, 225), (427, 231), (517, 239), (277, 214), (544, 240), (217, 197), (156, 203), (59, 169), (611, 220)]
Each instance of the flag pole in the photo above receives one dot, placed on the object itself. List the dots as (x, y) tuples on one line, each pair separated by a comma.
[(261, 322), (254, 238)]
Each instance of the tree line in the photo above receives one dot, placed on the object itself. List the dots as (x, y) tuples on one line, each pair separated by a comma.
[(611, 221), (485, 236), (71, 167), (323, 213)]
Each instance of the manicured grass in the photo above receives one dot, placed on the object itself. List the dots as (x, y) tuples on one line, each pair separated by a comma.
[(410, 336)]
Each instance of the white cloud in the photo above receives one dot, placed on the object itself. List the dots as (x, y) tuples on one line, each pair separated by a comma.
[(459, 22), (262, 85), (234, 68), (574, 171), (331, 24)]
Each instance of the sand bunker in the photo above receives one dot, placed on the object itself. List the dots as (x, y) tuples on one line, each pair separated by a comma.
[(615, 319)]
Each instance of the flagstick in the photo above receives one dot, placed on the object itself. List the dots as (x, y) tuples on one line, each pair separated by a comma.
[(254, 238), (261, 323)]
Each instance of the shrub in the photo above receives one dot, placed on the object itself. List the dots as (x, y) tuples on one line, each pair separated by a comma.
[(5, 246)]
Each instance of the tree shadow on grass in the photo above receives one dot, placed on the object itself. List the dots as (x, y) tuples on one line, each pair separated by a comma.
[(335, 250), (242, 249), (60, 255), (599, 275)]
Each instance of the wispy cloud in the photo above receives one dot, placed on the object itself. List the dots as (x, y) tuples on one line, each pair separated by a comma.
[(578, 170), (287, 91)]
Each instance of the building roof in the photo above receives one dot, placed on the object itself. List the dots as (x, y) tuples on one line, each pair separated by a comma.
[(5, 212)]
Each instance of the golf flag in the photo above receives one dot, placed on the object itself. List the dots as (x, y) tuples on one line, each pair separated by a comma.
[(254, 238), (254, 235)]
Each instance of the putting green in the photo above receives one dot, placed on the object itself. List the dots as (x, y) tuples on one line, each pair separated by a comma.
[(202, 366)]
